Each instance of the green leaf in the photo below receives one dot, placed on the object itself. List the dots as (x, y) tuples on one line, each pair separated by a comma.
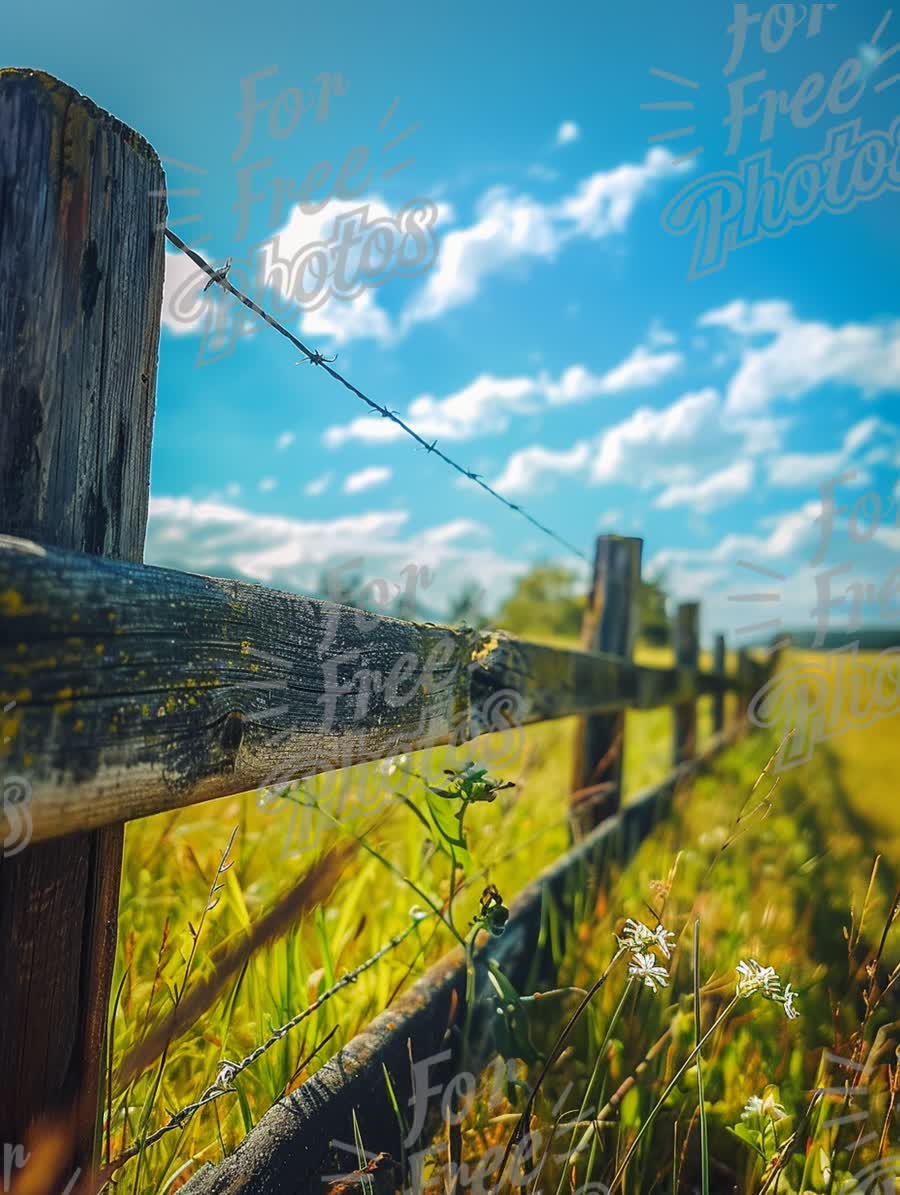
[(750, 1138), (510, 1023), (450, 836)]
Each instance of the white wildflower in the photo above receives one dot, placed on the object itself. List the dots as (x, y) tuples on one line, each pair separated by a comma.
[(638, 938), (752, 1108), (645, 968), (665, 940), (756, 1109), (787, 999), (754, 977)]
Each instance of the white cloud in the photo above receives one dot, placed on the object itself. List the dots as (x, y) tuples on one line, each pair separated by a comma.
[(690, 447), (183, 310), (525, 470), (189, 308), (641, 368), (508, 231), (367, 479), (567, 132), (514, 229), (801, 356), (795, 470), (233, 490), (222, 539), (486, 405), (602, 204), (284, 441), (318, 486), (784, 562), (658, 445), (712, 492), (266, 485), (482, 407)]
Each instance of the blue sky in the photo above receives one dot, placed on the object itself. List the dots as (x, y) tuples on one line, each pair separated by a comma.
[(556, 344)]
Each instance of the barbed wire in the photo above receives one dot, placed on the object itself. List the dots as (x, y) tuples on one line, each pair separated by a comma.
[(220, 277), (229, 1071)]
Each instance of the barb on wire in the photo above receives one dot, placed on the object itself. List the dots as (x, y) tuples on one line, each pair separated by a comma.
[(315, 359), (229, 1071), (220, 277)]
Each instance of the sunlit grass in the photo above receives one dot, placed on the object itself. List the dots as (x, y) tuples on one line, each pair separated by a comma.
[(804, 871)]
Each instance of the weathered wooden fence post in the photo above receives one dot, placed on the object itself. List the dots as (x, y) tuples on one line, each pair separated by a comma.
[(82, 211), (610, 625), (744, 692), (687, 653), (719, 697)]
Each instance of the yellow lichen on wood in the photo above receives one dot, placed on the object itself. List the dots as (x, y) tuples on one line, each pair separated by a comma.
[(489, 645), (12, 604)]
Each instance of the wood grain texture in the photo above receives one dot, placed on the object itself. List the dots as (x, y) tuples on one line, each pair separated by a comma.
[(139, 689), (81, 270), (610, 625), (81, 273)]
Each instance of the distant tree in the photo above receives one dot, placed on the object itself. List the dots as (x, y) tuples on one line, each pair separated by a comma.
[(653, 622), (545, 600)]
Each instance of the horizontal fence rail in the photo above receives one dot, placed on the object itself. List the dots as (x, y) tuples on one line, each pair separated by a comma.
[(133, 689)]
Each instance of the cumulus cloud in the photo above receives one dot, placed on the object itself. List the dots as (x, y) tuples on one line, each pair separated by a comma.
[(603, 203), (367, 479), (799, 356), (640, 369), (780, 565), (526, 470), (284, 441), (511, 229), (179, 316), (567, 132), (711, 492), (508, 231), (658, 445), (222, 539), (691, 448), (795, 470), (486, 405)]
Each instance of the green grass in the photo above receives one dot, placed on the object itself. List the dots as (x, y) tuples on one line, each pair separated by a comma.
[(783, 892)]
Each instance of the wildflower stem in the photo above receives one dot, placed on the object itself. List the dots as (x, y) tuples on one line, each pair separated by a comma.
[(676, 1078), (360, 839), (561, 1040), (701, 1099), (592, 1132)]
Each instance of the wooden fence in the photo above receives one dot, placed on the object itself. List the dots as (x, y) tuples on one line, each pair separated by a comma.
[(127, 690)]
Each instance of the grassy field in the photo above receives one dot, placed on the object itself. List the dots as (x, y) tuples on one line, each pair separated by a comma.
[(779, 886)]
